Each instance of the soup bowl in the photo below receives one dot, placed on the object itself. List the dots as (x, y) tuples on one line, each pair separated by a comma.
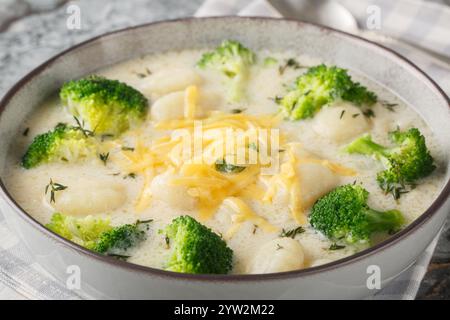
[(357, 276)]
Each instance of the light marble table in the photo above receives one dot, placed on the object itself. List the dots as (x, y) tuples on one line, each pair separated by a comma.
[(31, 31)]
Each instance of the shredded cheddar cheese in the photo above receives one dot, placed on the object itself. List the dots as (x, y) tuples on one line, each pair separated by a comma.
[(221, 136), (190, 102), (244, 213)]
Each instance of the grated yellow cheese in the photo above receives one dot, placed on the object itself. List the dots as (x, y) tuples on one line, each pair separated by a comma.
[(197, 172), (190, 102), (244, 213)]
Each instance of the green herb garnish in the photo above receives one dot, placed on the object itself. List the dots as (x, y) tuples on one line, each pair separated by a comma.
[(336, 246), (54, 187), (80, 126), (292, 233), (268, 61), (104, 157), (290, 63), (223, 166), (369, 113), (131, 175)]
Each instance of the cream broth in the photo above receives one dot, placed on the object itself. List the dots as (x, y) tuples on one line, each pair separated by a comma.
[(156, 76)]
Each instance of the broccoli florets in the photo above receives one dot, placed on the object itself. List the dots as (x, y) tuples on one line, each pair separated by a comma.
[(319, 86), (234, 61), (64, 143), (98, 235), (406, 162), (343, 214), (196, 249), (83, 231), (118, 240), (108, 106)]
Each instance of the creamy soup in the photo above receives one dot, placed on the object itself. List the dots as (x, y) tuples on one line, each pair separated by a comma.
[(253, 213)]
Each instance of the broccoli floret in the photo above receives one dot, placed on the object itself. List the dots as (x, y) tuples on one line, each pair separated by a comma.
[(319, 86), (343, 214), (233, 60), (407, 161), (83, 231), (64, 143), (196, 249), (108, 106), (118, 240), (98, 235)]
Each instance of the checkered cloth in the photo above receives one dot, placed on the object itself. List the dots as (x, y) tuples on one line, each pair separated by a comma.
[(411, 21)]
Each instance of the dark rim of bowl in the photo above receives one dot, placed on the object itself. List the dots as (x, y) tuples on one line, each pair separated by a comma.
[(422, 219)]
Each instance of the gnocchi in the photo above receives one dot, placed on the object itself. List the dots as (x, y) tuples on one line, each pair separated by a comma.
[(341, 122), (170, 80), (171, 105), (101, 197), (175, 196), (278, 255)]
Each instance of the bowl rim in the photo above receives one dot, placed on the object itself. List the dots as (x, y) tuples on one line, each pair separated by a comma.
[(394, 239)]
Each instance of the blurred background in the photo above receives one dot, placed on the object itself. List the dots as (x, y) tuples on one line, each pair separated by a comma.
[(31, 31)]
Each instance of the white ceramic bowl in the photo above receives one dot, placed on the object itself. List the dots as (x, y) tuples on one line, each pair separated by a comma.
[(105, 277)]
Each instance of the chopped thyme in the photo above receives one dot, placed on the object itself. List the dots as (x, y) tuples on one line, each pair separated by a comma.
[(369, 113), (389, 106), (268, 61), (292, 233), (104, 157), (253, 146), (106, 136), (80, 126), (131, 175), (143, 74), (335, 246), (223, 166), (290, 63), (54, 187)]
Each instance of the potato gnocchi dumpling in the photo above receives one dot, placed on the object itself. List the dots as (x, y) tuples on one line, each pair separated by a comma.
[(278, 255), (175, 196), (341, 122), (84, 197), (170, 80), (316, 180), (171, 106)]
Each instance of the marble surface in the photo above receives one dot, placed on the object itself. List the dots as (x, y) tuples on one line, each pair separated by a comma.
[(31, 31)]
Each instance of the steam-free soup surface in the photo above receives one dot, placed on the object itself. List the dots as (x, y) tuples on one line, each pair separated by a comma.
[(107, 190)]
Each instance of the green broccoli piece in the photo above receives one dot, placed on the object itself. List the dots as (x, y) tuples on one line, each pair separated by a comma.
[(196, 249), (233, 60), (319, 86), (98, 235), (343, 214), (108, 106), (83, 231), (406, 162), (118, 240), (64, 143)]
